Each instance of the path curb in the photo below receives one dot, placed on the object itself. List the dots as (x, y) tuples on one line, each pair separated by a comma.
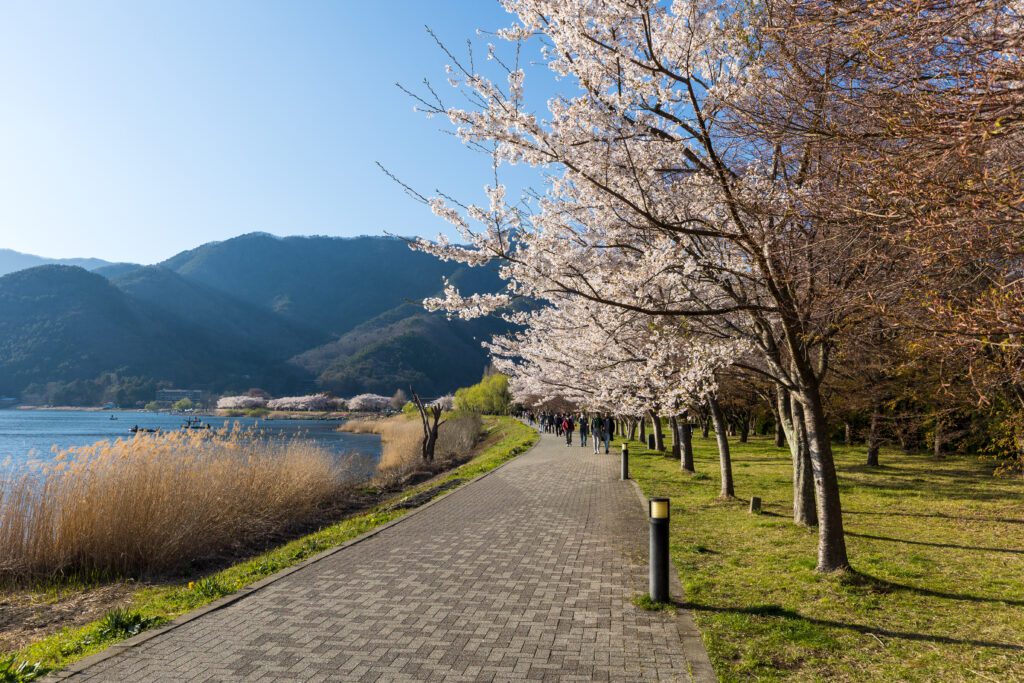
[(696, 654)]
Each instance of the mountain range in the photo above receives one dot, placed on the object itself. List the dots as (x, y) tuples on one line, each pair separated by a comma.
[(287, 315), (11, 261)]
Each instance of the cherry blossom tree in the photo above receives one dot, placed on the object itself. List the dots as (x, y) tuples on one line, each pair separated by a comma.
[(368, 402), (311, 402), (244, 402), (658, 202)]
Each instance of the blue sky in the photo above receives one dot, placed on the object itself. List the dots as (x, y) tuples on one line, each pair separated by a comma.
[(130, 131)]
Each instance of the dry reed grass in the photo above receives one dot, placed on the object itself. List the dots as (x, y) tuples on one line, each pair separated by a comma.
[(161, 502), (401, 439)]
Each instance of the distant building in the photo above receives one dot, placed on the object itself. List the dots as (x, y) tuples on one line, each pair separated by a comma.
[(172, 396)]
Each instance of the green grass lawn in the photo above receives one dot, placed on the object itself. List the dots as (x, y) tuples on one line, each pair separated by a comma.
[(158, 604), (937, 547)]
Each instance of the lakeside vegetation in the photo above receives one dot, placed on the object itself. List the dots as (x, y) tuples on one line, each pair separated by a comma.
[(163, 502), (936, 590), (401, 436), (147, 605)]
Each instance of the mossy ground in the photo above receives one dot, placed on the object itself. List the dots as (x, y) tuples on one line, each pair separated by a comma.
[(157, 604), (937, 548)]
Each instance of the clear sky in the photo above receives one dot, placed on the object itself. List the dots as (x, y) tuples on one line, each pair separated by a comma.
[(130, 131)]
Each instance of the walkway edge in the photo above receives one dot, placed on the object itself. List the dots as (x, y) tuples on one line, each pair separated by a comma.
[(118, 648), (696, 653)]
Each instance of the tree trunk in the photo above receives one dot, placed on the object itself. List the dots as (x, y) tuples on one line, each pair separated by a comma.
[(724, 459), (831, 538), (874, 442), (937, 442), (430, 417), (632, 429), (686, 444), (744, 426), (659, 438), (847, 433), (705, 424), (673, 425), (643, 430), (780, 433), (792, 423)]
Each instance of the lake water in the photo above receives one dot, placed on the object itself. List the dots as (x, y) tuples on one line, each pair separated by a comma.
[(27, 437)]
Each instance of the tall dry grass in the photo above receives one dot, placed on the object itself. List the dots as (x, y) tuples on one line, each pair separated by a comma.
[(162, 502), (401, 438)]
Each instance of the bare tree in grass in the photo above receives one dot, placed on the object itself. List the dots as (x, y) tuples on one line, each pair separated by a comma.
[(430, 416)]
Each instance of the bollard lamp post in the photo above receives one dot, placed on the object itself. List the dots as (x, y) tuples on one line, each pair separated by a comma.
[(625, 463), (659, 509)]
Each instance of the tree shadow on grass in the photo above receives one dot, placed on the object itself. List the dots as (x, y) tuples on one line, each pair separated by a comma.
[(936, 515), (781, 612), (967, 491), (938, 545), (877, 585)]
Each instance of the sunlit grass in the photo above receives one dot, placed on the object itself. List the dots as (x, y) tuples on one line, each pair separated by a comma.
[(938, 552)]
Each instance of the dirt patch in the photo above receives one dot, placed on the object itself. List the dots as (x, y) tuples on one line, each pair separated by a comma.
[(28, 616)]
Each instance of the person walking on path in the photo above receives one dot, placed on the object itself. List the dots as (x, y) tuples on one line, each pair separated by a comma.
[(567, 428), (607, 432), (583, 431), (597, 429)]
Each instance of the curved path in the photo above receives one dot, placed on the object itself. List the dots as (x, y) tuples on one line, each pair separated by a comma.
[(526, 574)]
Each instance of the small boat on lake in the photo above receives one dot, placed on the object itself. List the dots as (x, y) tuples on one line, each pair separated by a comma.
[(136, 429), (196, 423)]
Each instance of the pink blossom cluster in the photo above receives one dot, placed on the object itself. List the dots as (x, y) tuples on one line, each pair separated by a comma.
[(241, 402), (311, 402), (369, 402)]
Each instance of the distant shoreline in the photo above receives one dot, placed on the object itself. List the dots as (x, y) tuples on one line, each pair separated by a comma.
[(91, 409), (273, 415)]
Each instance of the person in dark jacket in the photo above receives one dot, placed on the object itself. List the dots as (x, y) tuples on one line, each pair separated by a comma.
[(567, 426), (597, 430), (584, 430)]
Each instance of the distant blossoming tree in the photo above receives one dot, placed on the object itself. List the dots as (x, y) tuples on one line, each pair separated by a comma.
[(312, 402), (241, 402), (369, 402)]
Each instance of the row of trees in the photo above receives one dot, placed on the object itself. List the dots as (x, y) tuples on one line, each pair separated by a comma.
[(814, 204)]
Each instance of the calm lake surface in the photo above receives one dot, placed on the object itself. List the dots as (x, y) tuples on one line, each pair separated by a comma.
[(27, 437)]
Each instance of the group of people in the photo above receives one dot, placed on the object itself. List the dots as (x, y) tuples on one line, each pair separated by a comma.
[(596, 428)]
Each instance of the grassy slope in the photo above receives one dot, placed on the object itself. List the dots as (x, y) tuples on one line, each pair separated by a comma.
[(157, 605), (937, 547)]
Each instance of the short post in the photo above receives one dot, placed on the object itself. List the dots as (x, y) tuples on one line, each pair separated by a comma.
[(650, 441), (755, 505), (625, 462), (659, 514)]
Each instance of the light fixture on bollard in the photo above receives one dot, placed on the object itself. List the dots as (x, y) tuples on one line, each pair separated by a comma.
[(659, 509), (625, 463)]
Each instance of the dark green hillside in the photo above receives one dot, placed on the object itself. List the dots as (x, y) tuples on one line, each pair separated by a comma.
[(325, 283), (406, 346), (287, 315), (59, 324), (216, 314)]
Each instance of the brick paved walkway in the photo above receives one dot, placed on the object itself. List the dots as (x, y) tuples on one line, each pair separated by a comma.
[(527, 574)]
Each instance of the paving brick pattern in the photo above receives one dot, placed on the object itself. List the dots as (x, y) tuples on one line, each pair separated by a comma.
[(527, 574)]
